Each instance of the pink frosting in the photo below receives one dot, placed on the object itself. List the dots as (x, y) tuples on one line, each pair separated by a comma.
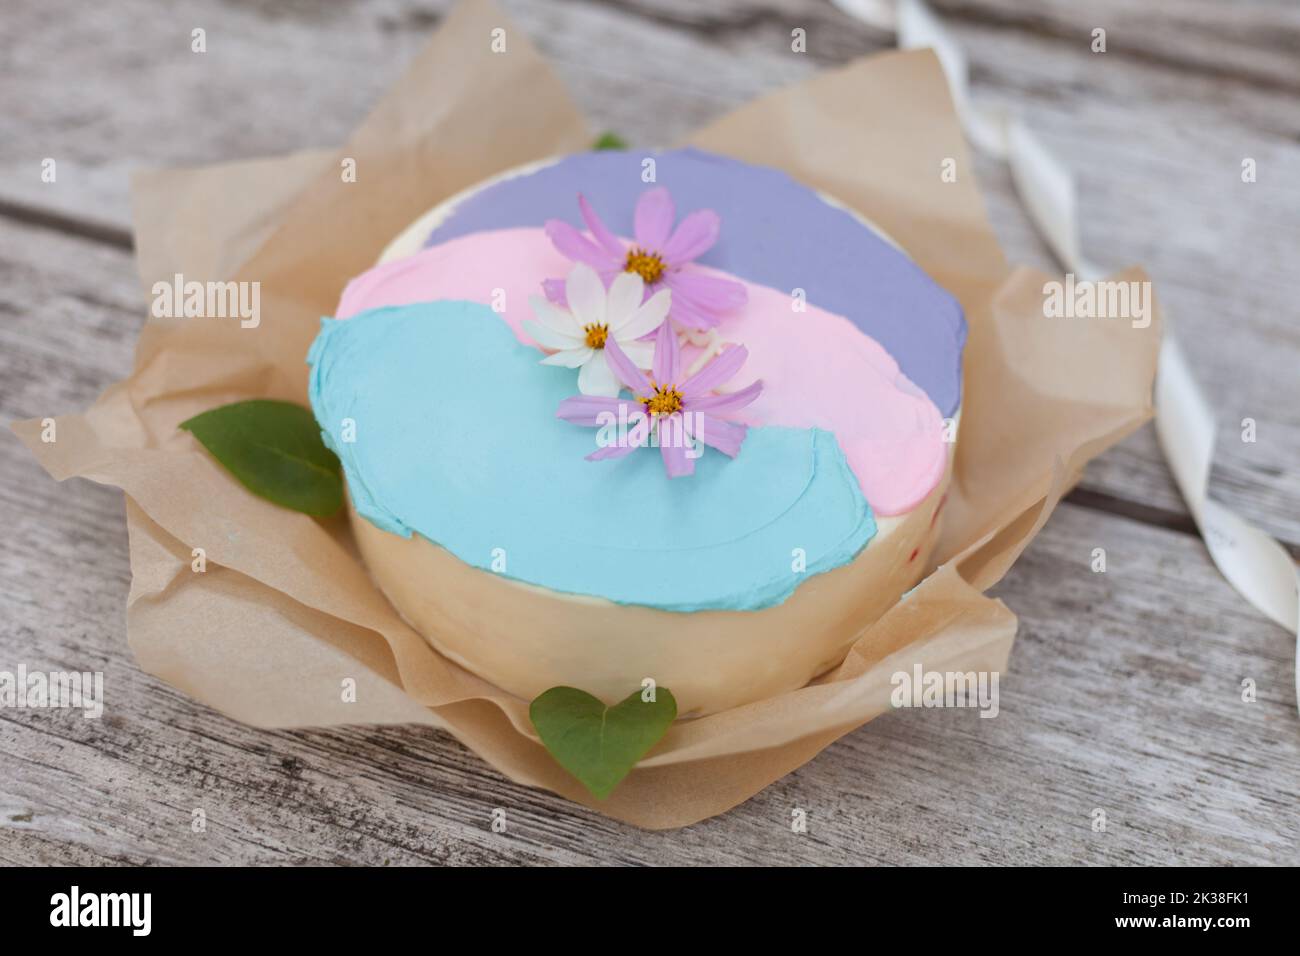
[(818, 369)]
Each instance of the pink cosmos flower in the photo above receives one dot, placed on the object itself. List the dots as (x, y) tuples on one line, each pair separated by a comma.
[(658, 255), (678, 413)]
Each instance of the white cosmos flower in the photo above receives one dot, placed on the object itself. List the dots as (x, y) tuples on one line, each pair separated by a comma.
[(577, 335)]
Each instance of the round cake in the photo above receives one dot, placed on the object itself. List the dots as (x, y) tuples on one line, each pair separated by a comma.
[(622, 416)]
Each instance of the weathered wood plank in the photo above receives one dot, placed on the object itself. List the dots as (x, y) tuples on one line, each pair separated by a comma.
[(1183, 95), (654, 70), (1254, 43), (1123, 694)]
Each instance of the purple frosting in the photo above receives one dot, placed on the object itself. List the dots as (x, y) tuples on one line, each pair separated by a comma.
[(775, 232)]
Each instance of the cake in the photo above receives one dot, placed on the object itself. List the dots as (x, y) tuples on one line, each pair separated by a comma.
[(621, 416)]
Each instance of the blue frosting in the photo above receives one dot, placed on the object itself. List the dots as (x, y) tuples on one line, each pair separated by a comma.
[(456, 439), (777, 233)]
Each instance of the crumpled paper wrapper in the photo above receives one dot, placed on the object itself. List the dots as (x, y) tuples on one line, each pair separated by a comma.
[(285, 611)]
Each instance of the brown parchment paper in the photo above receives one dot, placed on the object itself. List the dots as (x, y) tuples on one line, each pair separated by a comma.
[(285, 611)]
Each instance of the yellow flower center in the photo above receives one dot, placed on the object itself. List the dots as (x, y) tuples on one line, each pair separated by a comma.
[(665, 401), (646, 264), (596, 335)]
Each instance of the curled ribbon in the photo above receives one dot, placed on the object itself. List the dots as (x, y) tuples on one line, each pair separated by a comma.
[(1255, 564)]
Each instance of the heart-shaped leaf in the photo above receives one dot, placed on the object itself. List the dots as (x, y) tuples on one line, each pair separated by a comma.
[(597, 744), (275, 450)]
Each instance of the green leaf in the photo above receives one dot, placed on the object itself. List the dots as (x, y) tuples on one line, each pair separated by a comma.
[(597, 744), (276, 452), (608, 140)]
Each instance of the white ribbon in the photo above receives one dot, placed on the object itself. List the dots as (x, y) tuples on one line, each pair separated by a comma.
[(1256, 565)]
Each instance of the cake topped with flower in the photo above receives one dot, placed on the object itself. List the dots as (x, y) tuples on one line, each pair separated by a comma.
[(621, 420)]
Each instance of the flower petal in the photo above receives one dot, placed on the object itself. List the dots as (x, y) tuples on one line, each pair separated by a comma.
[(654, 217), (585, 294), (561, 320), (647, 317), (694, 236), (711, 293), (726, 437), (689, 315), (549, 338), (612, 451), (727, 402), (623, 299), (586, 409), (596, 377), (604, 238), (569, 358), (676, 462), (625, 369), (574, 245), (553, 289), (668, 356), (717, 372), (639, 428), (642, 354)]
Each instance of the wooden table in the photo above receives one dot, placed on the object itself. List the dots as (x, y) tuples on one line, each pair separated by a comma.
[(1125, 688)]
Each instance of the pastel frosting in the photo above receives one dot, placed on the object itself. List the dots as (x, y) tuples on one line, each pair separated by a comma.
[(818, 369), (455, 438), (776, 233)]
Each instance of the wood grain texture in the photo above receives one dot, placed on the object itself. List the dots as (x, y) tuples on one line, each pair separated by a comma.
[(1124, 691)]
